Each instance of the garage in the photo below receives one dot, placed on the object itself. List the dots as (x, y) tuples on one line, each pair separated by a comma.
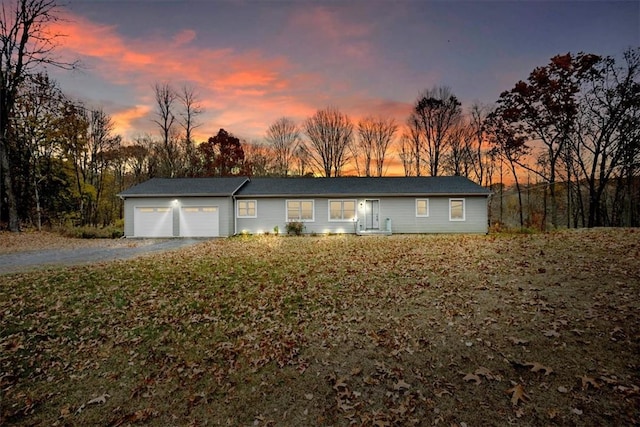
[(153, 222), (199, 221)]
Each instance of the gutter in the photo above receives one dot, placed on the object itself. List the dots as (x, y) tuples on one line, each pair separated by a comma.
[(234, 198)]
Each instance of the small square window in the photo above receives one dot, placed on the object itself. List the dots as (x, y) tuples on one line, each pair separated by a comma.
[(247, 208)]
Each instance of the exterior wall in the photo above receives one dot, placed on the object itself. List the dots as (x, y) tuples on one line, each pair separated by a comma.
[(402, 212), (224, 204), (271, 212)]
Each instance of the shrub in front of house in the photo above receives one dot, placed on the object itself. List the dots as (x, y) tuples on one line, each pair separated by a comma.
[(295, 227)]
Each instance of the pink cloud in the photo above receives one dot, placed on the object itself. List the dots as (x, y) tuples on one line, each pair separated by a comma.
[(184, 37)]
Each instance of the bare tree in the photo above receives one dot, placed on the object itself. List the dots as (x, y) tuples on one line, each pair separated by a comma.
[(375, 135), (413, 144), (438, 111), (191, 109), (166, 121), (478, 152), (25, 44), (330, 133), (407, 156), (284, 137)]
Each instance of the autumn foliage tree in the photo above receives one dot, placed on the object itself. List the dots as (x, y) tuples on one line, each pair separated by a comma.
[(222, 155), (543, 110)]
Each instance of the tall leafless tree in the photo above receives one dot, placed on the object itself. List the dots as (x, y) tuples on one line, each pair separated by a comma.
[(25, 44), (166, 98), (330, 133), (284, 137), (438, 111), (375, 135), (191, 109)]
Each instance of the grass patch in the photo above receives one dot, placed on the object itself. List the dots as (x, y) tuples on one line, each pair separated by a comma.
[(513, 328)]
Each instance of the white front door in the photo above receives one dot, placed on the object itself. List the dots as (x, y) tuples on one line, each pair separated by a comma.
[(199, 221), (372, 214), (153, 222)]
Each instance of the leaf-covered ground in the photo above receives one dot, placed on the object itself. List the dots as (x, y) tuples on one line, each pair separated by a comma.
[(402, 330), (28, 241)]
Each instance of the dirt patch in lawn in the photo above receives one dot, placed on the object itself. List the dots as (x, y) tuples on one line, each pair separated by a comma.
[(404, 330)]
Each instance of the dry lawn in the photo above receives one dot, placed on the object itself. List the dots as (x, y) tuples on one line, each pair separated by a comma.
[(406, 330), (42, 240)]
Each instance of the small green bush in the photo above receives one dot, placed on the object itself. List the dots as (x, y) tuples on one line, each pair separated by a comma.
[(295, 227), (88, 232)]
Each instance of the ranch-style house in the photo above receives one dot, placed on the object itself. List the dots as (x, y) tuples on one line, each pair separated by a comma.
[(212, 207)]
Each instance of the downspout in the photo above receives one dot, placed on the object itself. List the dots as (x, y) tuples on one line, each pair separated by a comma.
[(235, 217)]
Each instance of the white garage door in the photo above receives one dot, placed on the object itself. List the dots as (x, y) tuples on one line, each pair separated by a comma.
[(153, 222), (199, 221)]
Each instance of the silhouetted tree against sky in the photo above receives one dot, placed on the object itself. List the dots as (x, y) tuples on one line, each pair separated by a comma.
[(222, 155), (25, 44), (437, 111), (543, 109), (375, 135), (284, 137), (330, 133), (607, 127)]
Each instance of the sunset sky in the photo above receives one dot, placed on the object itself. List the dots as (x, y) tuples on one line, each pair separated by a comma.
[(253, 61)]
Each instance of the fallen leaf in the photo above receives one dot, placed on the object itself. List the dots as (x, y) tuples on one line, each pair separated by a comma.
[(562, 389), (99, 400), (576, 411), (472, 377), (484, 372), (518, 341), (588, 381), (537, 367), (517, 394), (551, 333), (401, 385)]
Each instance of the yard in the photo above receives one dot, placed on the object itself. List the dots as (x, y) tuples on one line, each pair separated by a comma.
[(539, 329)]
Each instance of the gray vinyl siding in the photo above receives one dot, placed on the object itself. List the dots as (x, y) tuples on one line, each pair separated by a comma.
[(401, 211), (224, 204)]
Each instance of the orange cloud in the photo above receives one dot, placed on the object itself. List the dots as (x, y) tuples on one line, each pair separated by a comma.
[(124, 120), (241, 91)]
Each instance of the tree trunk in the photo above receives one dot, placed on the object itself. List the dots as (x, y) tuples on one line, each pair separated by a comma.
[(12, 204)]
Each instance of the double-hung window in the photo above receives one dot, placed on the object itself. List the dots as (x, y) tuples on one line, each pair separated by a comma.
[(422, 207), (299, 210), (456, 210), (247, 208), (342, 210)]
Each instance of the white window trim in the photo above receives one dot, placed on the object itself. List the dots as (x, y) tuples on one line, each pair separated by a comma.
[(355, 211), (313, 210), (422, 215), (255, 202), (464, 209)]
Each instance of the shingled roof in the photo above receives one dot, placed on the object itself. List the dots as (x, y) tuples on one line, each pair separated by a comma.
[(306, 187), (185, 187), (360, 186)]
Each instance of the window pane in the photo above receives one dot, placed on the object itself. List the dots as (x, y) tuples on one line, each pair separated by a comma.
[(349, 207), (306, 210), (335, 210), (422, 207), (293, 211), (457, 209)]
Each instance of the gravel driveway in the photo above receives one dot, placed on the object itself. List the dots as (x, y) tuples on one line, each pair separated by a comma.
[(32, 260)]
